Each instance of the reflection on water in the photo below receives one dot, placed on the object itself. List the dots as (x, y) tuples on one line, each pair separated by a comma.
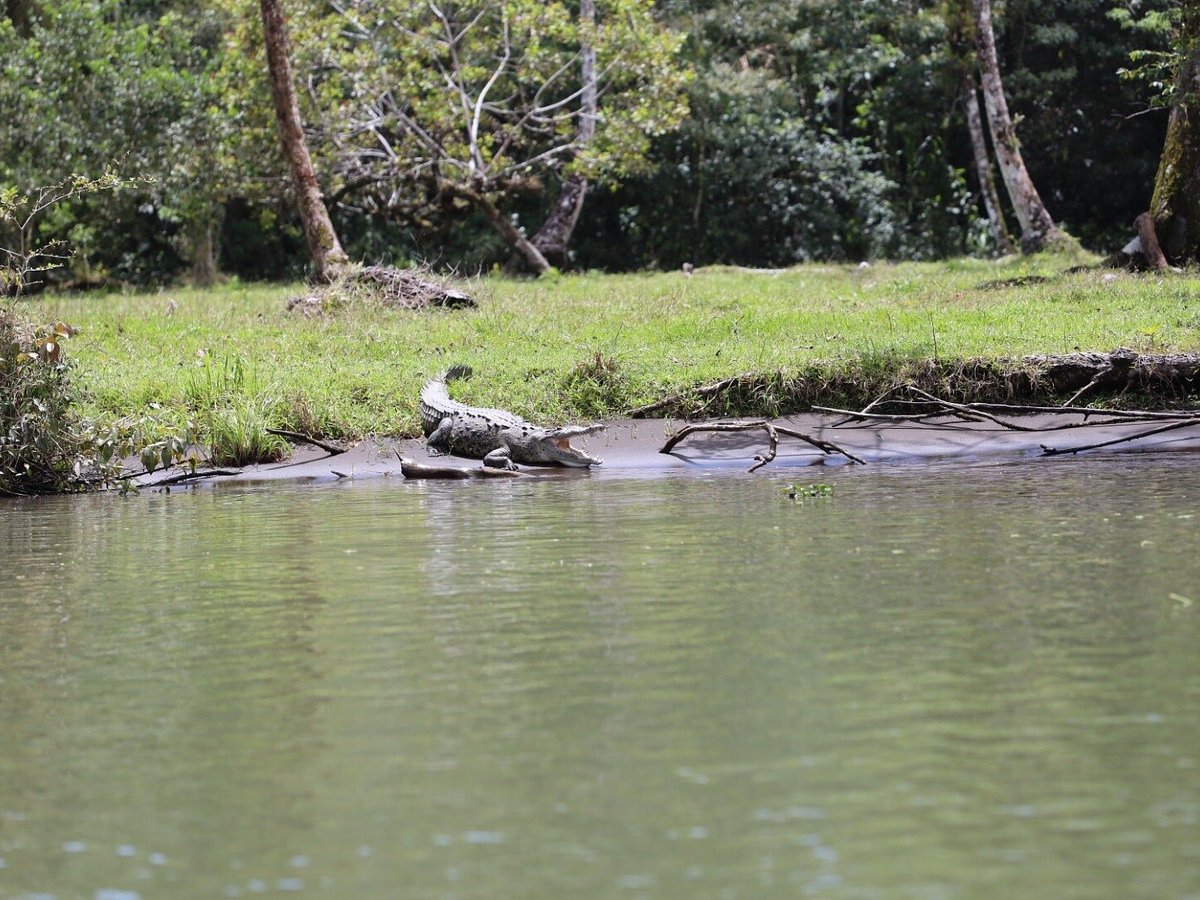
[(941, 682)]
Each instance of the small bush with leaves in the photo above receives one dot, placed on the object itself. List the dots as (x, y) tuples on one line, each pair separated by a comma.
[(45, 448), (38, 451)]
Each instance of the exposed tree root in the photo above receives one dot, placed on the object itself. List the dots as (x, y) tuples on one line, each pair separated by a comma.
[(1147, 378)]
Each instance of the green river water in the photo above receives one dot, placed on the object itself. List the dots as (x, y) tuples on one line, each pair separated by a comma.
[(943, 681)]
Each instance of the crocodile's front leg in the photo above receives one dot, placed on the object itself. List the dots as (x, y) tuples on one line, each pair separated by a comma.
[(500, 459), (438, 441)]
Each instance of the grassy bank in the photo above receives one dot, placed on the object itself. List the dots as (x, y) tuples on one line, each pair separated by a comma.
[(588, 346)]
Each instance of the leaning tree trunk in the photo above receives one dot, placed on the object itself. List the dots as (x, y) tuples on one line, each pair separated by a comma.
[(323, 244), (502, 225), (983, 168), (1037, 228), (1175, 206), (554, 237)]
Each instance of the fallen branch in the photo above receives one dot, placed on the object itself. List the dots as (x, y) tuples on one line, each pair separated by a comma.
[(1171, 426), (1120, 363), (930, 418), (773, 431), (893, 418), (305, 439), (965, 409), (191, 476), (1127, 414)]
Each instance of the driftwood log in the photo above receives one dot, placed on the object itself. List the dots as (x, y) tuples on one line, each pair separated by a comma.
[(413, 469)]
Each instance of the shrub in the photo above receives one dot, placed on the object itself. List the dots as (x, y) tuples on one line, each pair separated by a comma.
[(45, 448), (40, 451)]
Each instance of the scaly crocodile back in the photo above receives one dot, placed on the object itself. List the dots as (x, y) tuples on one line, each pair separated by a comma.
[(436, 405)]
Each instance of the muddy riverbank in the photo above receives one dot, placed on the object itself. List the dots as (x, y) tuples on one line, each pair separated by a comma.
[(632, 448)]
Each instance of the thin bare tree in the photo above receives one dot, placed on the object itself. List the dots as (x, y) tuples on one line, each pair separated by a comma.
[(983, 167), (1037, 228), (470, 105), (554, 237)]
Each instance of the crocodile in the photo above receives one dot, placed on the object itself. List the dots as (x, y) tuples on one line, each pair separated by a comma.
[(500, 438)]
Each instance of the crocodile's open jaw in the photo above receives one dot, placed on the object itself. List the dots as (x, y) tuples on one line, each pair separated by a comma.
[(558, 445), (571, 456)]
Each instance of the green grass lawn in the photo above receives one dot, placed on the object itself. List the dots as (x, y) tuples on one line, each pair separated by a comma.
[(592, 346)]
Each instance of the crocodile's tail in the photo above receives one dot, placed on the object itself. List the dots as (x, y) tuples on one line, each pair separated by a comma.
[(456, 372)]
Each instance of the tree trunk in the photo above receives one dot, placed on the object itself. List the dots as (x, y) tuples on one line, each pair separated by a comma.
[(323, 245), (503, 226), (19, 13), (1176, 202), (983, 168), (1148, 239), (553, 238), (202, 242), (1037, 228)]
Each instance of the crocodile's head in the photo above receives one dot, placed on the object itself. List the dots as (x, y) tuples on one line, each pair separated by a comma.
[(553, 446)]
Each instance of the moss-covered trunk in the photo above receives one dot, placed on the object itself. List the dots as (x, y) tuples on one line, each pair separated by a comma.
[(1176, 202)]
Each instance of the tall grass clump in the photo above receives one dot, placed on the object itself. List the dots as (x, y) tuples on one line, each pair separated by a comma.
[(234, 411)]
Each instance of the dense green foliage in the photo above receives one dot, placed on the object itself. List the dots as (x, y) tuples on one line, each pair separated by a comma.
[(759, 132)]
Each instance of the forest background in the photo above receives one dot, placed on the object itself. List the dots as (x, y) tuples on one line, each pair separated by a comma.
[(751, 132)]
